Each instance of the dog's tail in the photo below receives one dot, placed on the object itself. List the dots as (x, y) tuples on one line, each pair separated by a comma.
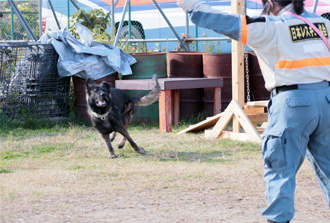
[(151, 97)]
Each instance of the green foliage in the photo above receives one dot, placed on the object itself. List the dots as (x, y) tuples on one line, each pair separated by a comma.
[(101, 22), (99, 19), (30, 16), (211, 47)]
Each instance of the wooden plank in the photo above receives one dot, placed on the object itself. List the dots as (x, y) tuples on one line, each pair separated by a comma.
[(146, 84), (217, 101), (237, 66), (261, 117), (206, 124), (245, 122), (169, 83), (222, 122), (176, 106), (264, 125), (253, 110), (258, 103), (238, 136), (165, 111), (191, 83), (260, 130)]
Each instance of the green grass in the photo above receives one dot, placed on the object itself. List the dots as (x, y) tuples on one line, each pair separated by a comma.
[(6, 171), (56, 157)]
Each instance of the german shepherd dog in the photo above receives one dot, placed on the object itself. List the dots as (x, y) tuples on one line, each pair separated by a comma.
[(111, 110)]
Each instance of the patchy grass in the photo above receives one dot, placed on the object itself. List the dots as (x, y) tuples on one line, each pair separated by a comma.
[(58, 170)]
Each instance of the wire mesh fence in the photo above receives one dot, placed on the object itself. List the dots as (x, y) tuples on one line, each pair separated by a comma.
[(29, 82), (10, 26), (146, 20)]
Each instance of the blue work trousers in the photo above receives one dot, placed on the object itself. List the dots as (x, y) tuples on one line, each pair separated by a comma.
[(298, 126)]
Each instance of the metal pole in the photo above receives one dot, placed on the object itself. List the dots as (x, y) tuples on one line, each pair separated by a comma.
[(22, 20), (315, 5), (40, 18), (129, 20), (170, 25), (83, 14), (68, 8), (12, 23), (196, 35), (121, 22), (175, 39), (54, 14), (187, 24), (113, 17)]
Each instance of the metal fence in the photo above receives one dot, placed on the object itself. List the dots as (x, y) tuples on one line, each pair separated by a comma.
[(147, 21), (10, 26), (29, 82)]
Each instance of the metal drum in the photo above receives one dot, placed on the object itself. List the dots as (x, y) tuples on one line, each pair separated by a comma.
[(147, 65), (190, 65), (217, 65)]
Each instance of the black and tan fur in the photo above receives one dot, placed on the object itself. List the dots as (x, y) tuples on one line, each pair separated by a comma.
[(111, 110)]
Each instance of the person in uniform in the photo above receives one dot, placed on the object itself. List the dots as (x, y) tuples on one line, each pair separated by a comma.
[(295, 64)]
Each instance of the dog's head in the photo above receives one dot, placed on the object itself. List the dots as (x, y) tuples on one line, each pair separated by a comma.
[(98, 95)]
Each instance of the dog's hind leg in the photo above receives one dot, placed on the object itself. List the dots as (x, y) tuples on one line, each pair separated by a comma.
[(111, 149), (137, 148), (122, 143), (113, 136), (127, 119)]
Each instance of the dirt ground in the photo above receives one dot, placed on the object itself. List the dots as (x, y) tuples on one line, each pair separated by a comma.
[(183, 178), (166, 205)]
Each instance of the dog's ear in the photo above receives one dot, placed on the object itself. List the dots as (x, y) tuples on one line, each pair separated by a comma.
[(89, 83), (106, 85)]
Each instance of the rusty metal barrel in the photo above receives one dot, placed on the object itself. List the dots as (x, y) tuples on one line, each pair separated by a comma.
[(189, 65), (258, 91), (217, 65), (80, 92)]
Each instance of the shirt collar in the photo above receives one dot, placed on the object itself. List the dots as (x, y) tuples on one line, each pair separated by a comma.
[(286, 8)]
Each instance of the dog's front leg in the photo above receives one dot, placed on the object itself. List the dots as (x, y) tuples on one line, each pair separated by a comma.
[(137, 148), (108, 142), (113, 136)]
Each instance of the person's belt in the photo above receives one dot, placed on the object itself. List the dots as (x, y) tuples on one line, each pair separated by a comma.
[(287, 88)]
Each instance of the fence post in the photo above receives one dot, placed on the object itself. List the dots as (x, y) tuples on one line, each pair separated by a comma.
[(12, 23)]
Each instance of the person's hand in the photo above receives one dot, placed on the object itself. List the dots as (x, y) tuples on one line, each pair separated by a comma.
[(179, 2)]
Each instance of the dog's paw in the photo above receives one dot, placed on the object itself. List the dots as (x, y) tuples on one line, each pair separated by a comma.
[(141, 151), (112, 157)]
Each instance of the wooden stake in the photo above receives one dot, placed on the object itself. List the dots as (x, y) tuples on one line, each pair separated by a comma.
[(237, 66)]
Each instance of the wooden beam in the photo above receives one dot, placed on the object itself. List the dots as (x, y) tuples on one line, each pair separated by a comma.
[(176, 106), (234, 110), (256, 118), (217, 101), (165, 111), (206, 124), (237, 66), (253, 110), (222, 122)]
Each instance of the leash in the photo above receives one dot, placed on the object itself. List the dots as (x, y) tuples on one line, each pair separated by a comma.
[(313, 26)]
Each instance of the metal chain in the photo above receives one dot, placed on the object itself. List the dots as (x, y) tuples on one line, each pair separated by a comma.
[(248, 98), (247, 74)]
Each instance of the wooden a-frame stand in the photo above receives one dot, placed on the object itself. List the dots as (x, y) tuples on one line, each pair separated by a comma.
[(234, 110)]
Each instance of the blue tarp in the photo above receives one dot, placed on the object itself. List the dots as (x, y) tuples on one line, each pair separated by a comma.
[(85, 58)]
